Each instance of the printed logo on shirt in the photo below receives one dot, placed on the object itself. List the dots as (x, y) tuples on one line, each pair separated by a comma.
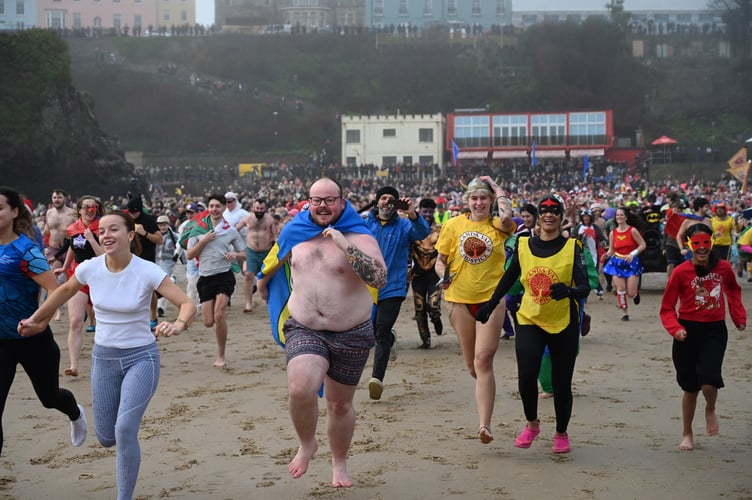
[(540, 279), (79, 241), (475, 247)]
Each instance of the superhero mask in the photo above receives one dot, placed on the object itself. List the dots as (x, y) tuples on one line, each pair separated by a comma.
[(700, 241)]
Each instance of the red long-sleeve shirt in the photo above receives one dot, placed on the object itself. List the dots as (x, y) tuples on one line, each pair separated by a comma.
[(701, 299)]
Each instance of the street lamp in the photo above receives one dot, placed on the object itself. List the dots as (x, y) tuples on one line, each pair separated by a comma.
[(275, 129)]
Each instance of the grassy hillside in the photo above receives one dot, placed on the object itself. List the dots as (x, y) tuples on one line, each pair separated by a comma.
[(553, 68)]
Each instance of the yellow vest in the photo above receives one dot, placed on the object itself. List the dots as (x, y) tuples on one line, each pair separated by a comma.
[(537, 275)]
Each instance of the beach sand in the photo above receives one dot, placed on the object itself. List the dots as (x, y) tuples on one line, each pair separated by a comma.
[(211, 433)]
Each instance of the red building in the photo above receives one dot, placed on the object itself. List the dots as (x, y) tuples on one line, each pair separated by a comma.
[(486, 136)]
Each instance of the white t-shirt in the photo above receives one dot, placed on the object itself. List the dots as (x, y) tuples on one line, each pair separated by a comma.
[(121, 300)]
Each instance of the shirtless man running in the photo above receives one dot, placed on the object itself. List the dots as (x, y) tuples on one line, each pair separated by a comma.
[(329, 334), (261, 232), (57, 220)]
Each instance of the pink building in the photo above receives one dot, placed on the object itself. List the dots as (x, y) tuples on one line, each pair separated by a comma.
[(75, 14)]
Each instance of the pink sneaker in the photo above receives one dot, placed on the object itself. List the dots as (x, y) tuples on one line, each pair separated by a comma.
[(561, 443), (526, 437)]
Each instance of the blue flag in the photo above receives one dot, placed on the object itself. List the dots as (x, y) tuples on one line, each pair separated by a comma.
[(534, 160), (455, 152), (585, 167)]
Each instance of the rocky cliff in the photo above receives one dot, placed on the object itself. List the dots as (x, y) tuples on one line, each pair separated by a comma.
[(49, 134)]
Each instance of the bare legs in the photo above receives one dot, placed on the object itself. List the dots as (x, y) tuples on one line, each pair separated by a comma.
[(479, 343), (305, 374), (214, 314), (76, 311), (250, 280), (689, 404)]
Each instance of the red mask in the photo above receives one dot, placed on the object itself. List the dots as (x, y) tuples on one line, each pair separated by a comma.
[(701, 241)]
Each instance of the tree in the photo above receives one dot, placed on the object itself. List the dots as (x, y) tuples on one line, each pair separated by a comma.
[(737, 15), (619, 16)]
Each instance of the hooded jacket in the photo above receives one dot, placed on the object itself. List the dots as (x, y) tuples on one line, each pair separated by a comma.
[(394, 239)]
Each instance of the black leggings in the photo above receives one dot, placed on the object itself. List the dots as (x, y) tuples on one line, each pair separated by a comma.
[(40, 357), (529, 346)]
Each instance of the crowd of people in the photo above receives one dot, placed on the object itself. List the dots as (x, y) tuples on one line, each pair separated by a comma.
[(510, 258)]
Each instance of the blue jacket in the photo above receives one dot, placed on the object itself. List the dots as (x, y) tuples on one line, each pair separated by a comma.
[(394, 239)]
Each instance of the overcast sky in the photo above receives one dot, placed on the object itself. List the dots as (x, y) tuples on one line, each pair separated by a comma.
[(205, 12), (205, 8)]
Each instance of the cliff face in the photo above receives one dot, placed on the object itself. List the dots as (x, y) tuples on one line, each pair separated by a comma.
[(49, 135)]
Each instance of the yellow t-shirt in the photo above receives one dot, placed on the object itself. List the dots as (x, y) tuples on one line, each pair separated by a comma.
[(722, 231), (537, 275), (475, 251)]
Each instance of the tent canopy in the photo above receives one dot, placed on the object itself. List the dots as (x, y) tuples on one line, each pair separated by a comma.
[(663, 141)]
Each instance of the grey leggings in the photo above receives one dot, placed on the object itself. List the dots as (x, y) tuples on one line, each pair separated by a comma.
[(123, 382)]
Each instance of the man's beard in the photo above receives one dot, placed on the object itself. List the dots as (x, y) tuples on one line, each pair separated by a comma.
[(259, 215), (386, 213)]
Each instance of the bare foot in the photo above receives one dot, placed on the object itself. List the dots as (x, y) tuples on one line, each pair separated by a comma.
[(58, 315), (687, 444), (299, 465), (485, 436), (220, 363), (71, 372), (545, 395), (248, 309), (340, 478), (711, 422)]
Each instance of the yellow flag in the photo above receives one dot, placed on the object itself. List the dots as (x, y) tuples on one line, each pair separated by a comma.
[(738, 165)]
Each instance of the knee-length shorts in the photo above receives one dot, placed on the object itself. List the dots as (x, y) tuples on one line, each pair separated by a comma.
[(347, 352), (699, 358)]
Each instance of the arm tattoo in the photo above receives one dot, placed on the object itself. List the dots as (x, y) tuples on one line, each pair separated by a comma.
[(367, 269)]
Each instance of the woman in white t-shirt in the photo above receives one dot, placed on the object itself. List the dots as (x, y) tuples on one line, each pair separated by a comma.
[(125, 360)]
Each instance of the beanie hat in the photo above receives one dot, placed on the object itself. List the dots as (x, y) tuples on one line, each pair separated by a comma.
[(387, 190), (135, 204)]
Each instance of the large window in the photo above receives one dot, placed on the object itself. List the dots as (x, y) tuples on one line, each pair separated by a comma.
[(471, 131), (452, 7), (378, 8), (390, 132), (510, 130), (425, 160), (352, 136), (388, 161), (476, 8), (549, 130), (76, 20), (137, 21), (56, 19), (428, 8), (116, 21), (587, 128), (403, 7), (407, 160), (425, 135), (184, 16), (20, 7), (166, 16)]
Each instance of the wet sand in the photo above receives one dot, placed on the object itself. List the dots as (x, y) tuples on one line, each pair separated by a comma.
[(212, 433)]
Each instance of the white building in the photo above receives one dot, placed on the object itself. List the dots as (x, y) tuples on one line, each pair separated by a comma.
[(384, 140)]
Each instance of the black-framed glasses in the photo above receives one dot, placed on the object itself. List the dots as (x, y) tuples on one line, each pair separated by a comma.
[(329, 201)]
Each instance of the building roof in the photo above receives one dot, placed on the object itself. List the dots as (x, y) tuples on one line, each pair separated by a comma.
[(599, 5)]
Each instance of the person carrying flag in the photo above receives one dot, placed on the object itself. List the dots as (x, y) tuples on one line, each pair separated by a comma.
[(217, 244), (332, 259)]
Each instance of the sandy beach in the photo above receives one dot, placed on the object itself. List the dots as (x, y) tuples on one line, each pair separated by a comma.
[(212, 433)]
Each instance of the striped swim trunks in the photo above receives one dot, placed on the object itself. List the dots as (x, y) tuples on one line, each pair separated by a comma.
[(346, 352)]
